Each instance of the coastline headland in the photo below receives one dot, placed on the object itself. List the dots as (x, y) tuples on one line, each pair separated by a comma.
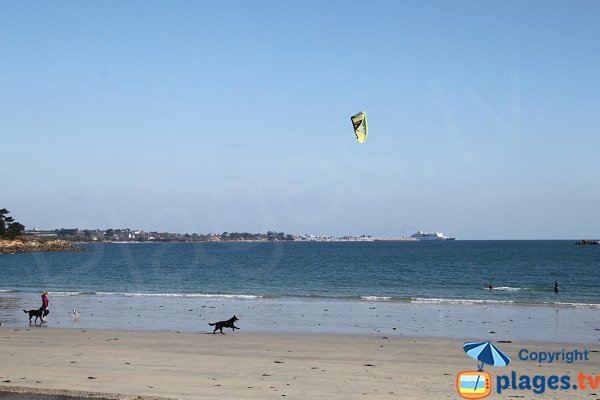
[(28, 245)]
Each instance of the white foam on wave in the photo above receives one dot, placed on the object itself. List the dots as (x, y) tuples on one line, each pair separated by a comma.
[(577, 305), (191, 295), (375, 298), (133, 294), (61, 294), (422, 300), (507, 288)]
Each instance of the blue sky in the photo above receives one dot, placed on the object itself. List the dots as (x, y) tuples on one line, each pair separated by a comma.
[(234, 116)]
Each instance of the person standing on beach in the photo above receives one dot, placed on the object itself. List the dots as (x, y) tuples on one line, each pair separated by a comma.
[(45, 303)]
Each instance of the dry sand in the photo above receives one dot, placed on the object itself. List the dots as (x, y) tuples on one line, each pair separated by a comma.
[(255, 366)]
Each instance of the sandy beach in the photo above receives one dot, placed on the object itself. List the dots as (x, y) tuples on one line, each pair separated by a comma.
[(256, 366)]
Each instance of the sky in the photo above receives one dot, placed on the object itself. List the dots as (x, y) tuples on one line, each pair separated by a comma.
[(198, 116)]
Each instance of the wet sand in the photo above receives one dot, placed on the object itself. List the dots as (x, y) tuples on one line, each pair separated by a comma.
[(469, 321), (256, 366)]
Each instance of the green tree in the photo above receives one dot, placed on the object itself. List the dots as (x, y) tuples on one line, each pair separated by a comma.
[(14, 230), (9, 228), (3, 214)]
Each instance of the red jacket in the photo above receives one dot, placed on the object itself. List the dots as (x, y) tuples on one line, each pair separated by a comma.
[(45, 301)]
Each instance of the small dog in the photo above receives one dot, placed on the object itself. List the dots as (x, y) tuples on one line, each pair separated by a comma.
[(225, 324), (37, 314), (76, 314)]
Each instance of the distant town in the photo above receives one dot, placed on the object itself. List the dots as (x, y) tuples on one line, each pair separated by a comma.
[(140, 236)]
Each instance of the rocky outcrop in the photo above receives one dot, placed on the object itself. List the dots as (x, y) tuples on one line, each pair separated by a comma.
[(588, 242), (22, 245)]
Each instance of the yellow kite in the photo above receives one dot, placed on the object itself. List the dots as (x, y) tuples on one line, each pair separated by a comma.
[(361, 129)]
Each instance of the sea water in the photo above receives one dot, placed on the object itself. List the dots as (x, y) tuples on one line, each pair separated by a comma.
[(404, 288)]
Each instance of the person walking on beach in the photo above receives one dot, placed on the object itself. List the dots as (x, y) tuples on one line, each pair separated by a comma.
[(45, 303)]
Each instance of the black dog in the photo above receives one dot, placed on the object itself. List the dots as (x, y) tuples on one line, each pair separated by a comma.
[(37, 314), (225, 324)]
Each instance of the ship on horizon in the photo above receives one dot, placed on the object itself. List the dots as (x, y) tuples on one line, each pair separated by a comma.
[(430, 236)]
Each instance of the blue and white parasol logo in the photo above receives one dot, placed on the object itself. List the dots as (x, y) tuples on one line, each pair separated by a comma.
[(487, 353)]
